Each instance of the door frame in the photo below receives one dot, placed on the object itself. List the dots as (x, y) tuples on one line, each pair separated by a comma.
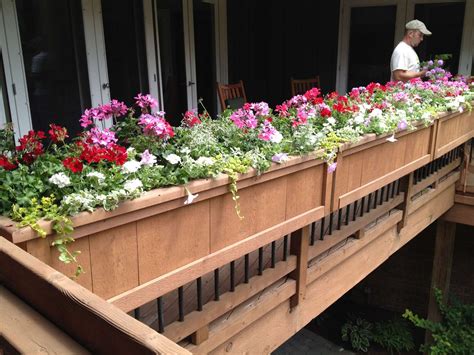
[(344, 33)]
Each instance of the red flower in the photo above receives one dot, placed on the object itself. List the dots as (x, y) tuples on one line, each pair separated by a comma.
[(312, 95), (325, 112), (73, 164), (28, 158), (57, 133), (190, 119), (6, 164)]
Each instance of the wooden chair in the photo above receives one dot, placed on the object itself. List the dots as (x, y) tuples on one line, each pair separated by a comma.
[(231, 95), (300, 86)]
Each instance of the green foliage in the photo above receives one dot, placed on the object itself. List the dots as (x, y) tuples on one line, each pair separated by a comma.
[(359, 332), (393, 335), (47, 209), (454, 334)]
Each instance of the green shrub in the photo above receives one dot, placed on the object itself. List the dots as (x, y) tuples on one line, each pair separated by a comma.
[(359, 332), (454, 334), (393, 335)]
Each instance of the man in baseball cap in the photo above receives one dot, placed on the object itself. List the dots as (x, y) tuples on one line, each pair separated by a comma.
[(404, 64)]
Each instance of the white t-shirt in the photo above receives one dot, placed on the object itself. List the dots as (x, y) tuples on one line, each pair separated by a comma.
[(404, 57)]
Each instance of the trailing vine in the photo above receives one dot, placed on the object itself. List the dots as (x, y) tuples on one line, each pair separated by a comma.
[(47, 209)]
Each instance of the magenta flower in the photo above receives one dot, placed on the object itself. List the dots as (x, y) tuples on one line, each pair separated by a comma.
[(146, 101), (102, 137), (148, 159), (269, 133), (156, 125)]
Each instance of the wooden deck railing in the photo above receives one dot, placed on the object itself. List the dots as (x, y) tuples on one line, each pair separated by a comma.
[(202, 277)]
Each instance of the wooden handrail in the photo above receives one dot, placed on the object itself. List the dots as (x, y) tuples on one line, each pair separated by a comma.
[(98, 326)]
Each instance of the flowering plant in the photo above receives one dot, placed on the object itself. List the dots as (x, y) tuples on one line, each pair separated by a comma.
[(53, 178)]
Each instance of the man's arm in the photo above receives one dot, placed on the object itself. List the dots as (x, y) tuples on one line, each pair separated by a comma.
[(405, 75)]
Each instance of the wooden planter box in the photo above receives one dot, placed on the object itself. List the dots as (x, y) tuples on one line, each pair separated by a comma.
[(156, 234), (452, 129), (373, 162)]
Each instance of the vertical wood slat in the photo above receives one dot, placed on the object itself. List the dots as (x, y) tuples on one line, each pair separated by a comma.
[(441, 272), (299, 246)]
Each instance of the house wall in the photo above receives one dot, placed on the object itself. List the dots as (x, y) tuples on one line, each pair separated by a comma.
[(404, 280), (271, 41)]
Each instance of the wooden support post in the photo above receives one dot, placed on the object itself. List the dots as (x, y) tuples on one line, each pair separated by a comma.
[(442, 262), (200, 335), (407, 186), (299, 246), (465, 162)]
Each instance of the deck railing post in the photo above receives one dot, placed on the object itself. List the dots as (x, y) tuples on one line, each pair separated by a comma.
[(299, 246)]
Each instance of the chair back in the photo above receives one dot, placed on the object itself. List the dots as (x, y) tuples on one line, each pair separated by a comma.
[(231, 95), (300, 86)]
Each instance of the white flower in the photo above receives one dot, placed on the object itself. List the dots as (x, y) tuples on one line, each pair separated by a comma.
[(376, 112), (130, 150), (95, 174), (132, 185), (60, 180), (190, 197), (331, 120), (392, 138), (173, 159), (204, 161), (185, 150), (359, 119), (131, 166), (276, 137)]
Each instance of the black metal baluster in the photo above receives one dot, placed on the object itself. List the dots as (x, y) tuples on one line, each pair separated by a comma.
[(339, 218), (232, 276), (387, 195), (181, 303), (285, 248), (369, 202), (348, 213), (199, 293), (313, 232), (376, 199), (136, 313), (161, 318), (398, 187), (247, 266), (260, 260), (382, 192), (216, 285), (330, 223), (362, 206), (393, 188), (322, 228), (354, 215), (273, 262)]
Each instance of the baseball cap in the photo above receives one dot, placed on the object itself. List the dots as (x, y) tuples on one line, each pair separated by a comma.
[(418, 25)]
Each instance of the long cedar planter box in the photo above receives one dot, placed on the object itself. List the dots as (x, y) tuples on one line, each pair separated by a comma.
[(155, 234), (373, 162)]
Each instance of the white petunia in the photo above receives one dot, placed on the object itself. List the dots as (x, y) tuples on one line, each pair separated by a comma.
[(131, 166), (331, 120), (204, 161), (132, 185), (276, 137), (173, 159), (376, 112), (95, 174), (190, 197), (60, 180)]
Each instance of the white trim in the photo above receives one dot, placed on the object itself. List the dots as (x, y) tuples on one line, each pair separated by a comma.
[(95, 48), (220, 30), (150, 46), (189, 53), (158, 58), (14, 69), (411, 6), (344, 33)]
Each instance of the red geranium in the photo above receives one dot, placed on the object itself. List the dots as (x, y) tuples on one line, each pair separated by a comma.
[(6, 164), (73, 164), (57, 133)]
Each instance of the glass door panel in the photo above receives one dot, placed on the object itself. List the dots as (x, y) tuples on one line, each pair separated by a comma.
[(4, 106), (169, 15), (205, 47), (372, 31), (445, 21), (52, 42), (125, 48)]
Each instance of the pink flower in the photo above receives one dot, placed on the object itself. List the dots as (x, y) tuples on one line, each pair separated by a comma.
[(102, 137), (156, 125), (148, 159), (146, 101), (402, 125), (269, 133), (332, 167), (280, 158)]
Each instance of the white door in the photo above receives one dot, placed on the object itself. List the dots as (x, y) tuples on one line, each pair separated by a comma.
[(192, 53), (369, 30)]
